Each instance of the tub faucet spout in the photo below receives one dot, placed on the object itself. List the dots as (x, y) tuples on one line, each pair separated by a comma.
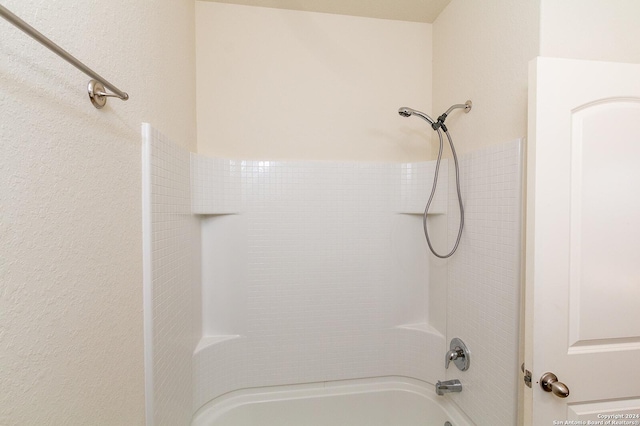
[(449, 386)]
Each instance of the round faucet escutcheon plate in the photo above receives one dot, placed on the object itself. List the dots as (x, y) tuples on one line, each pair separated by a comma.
[(459, 354)]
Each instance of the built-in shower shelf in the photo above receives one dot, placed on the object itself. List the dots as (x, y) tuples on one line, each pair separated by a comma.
[(208, 341), (422, 327), (215, 213), (420, 213)]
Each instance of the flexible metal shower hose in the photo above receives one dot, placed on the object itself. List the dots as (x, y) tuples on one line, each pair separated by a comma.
[(433, 191)]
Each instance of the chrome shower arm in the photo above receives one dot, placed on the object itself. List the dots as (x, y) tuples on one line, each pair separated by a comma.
[(443, 117), (467, 107)]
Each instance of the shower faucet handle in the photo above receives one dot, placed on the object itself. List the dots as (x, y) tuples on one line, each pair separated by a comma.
[(459, 354), (452, 355)]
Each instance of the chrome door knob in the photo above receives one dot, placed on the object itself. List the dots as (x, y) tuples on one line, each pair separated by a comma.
[(549, 383)]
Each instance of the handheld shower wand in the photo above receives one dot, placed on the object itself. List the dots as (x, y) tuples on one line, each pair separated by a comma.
[(408, 112), (437, 125)]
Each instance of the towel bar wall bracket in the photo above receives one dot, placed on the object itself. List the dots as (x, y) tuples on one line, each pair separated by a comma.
[(97, 92), (99, 95)]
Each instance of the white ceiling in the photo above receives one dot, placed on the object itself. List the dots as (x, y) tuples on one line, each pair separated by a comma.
[(402, 10)]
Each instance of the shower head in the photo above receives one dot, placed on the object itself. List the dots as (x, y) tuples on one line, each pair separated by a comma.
[(408, 112), (435, 125), (467, 107), (405, 112)]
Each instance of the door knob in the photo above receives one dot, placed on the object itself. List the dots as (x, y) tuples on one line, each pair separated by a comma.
[(549, 383)]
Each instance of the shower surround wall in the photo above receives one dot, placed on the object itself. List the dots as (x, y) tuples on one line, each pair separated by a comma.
[(484, 281), (318, 271), (312, 271), (171, 247)]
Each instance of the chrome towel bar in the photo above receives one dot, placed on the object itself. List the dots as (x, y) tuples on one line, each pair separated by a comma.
[(96, 87)]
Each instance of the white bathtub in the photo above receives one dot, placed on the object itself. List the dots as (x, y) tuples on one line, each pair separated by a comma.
[(390, 401)]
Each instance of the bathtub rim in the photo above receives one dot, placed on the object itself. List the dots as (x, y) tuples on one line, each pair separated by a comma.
[(238, 398)]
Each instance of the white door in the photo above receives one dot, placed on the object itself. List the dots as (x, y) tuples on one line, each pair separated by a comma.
[(583, 241)]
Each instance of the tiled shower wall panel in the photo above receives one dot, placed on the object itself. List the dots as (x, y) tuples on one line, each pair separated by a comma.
[(329, 277), (416, 183), (484, 281), (319, 259), (215, 185), (171, 301), (223, 186)]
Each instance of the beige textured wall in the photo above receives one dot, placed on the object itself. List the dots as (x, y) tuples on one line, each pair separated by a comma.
[(71, 349), (590, 29), (481, 52), (282, 84)]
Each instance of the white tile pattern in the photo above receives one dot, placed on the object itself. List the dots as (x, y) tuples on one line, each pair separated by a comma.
[(215, 185), (484, 282), (416, 184), (174, 243), (330, 279), (321, 274)]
